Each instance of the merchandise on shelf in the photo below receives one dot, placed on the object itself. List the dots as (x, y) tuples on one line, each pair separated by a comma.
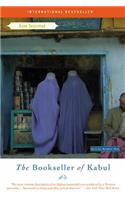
[(21, 131), (22, 122), (23, 92)]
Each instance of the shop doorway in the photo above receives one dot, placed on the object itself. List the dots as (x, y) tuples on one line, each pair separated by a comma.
[(91, 68)]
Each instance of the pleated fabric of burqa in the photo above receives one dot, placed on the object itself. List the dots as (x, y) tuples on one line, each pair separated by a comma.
[(45, 111), (75, 106)]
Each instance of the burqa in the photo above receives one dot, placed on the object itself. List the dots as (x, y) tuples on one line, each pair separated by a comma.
[(75, 105), (45, 111)]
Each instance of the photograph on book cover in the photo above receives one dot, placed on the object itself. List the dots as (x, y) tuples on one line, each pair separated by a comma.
[(62, 102), (62, 88)]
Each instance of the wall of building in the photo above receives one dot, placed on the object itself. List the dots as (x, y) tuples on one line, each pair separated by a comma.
[(1, 139), (106, 23), (114, 51)]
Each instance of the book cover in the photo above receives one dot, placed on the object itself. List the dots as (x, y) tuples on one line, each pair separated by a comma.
[(62, 99)]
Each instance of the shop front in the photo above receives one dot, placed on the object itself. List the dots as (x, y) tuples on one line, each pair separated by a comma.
[(26, 60)]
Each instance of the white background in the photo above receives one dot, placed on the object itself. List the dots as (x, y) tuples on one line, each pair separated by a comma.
[(63, 2), (9, 175)]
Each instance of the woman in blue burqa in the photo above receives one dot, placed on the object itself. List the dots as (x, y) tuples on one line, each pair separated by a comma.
[(45, 111), (75, 106)]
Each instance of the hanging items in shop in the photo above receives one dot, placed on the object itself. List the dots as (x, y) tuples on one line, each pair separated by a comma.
[(45, 111), (23, 92), (75, 106)]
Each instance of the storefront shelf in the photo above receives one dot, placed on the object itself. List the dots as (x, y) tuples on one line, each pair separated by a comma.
[(21, 138)]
